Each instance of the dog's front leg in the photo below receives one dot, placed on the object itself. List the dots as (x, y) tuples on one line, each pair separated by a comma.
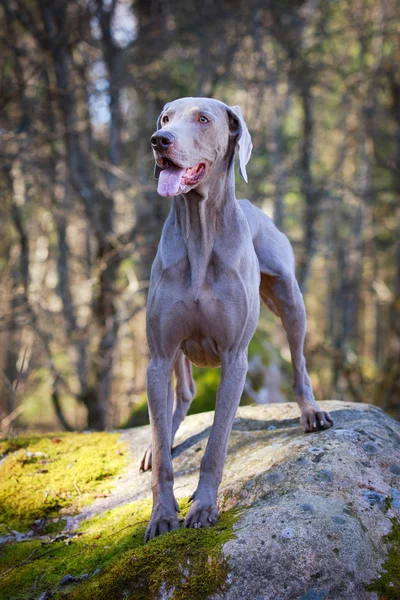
[(185, 390), (160, 397), (203, 511)]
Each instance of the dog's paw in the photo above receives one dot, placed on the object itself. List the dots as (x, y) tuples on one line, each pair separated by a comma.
[(146, 460), (314, 419), (201, 516), (160, 524)]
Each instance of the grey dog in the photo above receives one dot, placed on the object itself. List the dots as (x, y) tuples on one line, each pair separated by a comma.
[(217, 257)]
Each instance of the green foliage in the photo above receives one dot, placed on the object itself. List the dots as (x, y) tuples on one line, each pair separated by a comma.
[(207, 381), (139, 414), (42, 476), (107, 553)]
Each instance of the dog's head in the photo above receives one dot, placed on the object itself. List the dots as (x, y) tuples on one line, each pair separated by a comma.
[(193, 137)]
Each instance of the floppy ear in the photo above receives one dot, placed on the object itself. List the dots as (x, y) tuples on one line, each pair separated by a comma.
[(156, 168), (239, 129)]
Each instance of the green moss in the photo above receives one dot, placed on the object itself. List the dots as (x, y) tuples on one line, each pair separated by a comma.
[(54, 526), (108, 551), (43, 476), (388, 503), (388, 584)]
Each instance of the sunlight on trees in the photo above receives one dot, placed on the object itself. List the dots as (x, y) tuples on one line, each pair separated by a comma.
[(81, 86)]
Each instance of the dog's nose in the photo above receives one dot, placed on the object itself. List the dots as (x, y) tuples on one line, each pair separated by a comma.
[(162, 140)]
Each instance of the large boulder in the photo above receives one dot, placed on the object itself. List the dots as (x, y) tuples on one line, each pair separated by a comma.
[(303, 517), (317, 506)]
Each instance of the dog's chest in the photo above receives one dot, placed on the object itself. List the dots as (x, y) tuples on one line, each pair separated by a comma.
[(210, 300), (223, 315)]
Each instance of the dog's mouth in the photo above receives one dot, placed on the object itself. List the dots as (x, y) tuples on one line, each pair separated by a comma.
[(174, 178)]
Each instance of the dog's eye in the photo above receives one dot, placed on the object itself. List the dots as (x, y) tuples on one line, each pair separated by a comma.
[(165, 119), (203, 119)]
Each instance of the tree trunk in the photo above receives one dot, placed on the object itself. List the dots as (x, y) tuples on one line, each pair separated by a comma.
[(99, 207), (310, 194)]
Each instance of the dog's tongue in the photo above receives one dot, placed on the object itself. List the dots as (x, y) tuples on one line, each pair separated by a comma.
[(169, 180)]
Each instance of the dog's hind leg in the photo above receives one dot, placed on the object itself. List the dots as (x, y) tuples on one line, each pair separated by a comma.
[(284, 295), (280, 292), (185, 391)]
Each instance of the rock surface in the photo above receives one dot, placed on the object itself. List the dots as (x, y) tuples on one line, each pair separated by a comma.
[(314, 510), (316, 506)]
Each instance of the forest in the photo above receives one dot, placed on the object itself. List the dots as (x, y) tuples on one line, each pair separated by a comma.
[(81, 86)]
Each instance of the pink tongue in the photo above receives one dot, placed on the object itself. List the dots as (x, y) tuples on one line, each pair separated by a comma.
[(169, 180)]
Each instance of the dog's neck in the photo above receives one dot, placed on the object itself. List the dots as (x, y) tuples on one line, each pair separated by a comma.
[(202, 214)]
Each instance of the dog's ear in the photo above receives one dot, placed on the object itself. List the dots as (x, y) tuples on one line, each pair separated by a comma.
[(238, 128), (156, 168)]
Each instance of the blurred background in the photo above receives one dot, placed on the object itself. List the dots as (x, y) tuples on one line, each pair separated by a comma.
[(81, 85)]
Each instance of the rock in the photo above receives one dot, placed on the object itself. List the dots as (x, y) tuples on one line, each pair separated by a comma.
[(325, 475), (370, 448), (313, 511), (314, 516), (373, 497), (395, 498), (67, 579), (338, 519), (307, 507), (287, 533)]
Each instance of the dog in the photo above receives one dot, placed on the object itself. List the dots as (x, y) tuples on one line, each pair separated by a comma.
[(216, 259)]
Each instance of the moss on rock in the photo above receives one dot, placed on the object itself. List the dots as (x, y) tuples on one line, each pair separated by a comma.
[(45, 478), (41, 477), (387, 585), (272, 471), (106, 558)]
